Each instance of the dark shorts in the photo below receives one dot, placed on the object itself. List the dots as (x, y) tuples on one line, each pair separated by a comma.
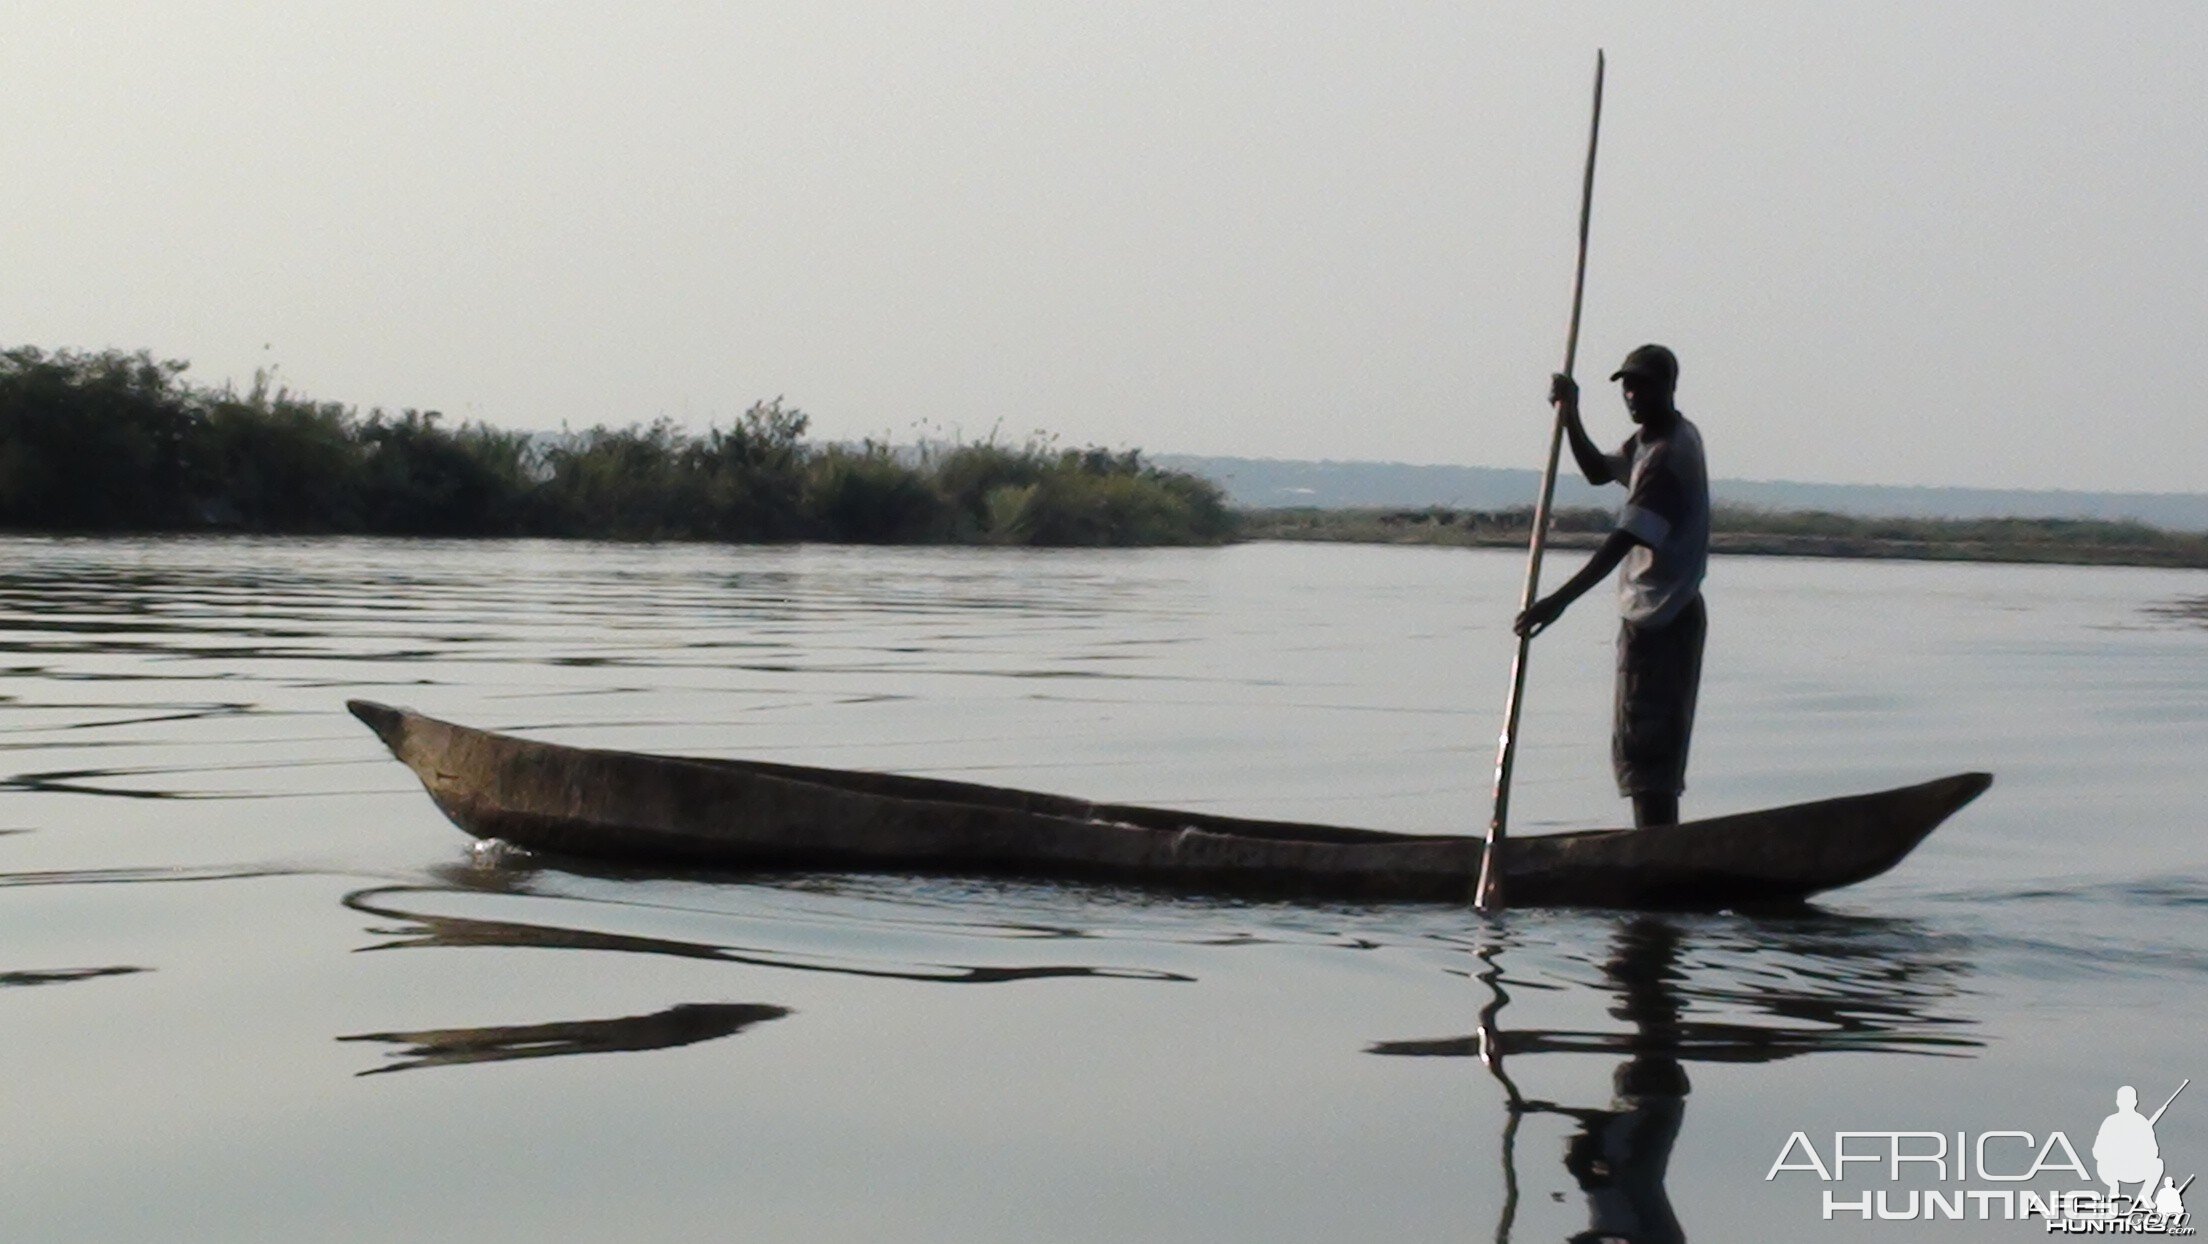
[(1659, 670)]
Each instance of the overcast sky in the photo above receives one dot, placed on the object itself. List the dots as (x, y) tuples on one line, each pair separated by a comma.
[(1951, 243)]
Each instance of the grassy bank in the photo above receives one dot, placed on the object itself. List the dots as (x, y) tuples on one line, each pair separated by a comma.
[(1779, 533), (122, 442)]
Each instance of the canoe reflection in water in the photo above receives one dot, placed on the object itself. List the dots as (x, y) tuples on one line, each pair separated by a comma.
[(680, 1025), (686, 1024), (1832, 983), (60, 976), (427, 929)]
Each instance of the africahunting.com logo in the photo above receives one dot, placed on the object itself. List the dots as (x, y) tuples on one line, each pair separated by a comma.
[(2002, 1175)]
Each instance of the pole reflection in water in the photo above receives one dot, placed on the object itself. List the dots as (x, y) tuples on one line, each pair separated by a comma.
[(1832, 984)]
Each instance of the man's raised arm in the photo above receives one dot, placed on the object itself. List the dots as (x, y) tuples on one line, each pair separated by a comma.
[(1597, 466)]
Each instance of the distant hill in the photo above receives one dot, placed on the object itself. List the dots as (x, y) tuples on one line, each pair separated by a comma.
[(1259, 483)]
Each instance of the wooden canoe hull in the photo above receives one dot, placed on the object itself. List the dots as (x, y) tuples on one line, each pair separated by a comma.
[(655, 811)]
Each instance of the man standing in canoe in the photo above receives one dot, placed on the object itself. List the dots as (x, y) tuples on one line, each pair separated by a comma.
[(1663, 542)]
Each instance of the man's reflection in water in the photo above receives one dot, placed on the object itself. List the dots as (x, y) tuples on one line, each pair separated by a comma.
[(1619, 1155), (1815, 984)]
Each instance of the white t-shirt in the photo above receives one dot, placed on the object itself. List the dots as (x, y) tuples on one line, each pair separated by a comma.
[(1667, 508)]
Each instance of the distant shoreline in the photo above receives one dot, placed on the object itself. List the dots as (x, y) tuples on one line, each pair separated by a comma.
[(2077, 542), (1259, 484), (2182, 552)]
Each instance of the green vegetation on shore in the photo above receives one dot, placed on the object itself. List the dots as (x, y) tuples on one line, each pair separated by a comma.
[(113, 441), (119, 442), (1799, 533)]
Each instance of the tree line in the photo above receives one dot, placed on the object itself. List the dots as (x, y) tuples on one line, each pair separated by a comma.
[(112, 441)]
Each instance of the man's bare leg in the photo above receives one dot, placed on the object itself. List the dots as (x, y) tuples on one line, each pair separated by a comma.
[(1655, 808)]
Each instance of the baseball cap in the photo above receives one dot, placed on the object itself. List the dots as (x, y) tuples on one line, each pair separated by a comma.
[(1651, 362)]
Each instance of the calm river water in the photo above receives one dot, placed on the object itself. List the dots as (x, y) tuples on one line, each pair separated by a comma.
[(255, 987)]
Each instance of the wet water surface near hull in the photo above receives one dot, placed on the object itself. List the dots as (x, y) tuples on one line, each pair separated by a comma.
[(231, 921)]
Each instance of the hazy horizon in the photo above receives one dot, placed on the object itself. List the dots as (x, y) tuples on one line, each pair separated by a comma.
[(1893, 244)]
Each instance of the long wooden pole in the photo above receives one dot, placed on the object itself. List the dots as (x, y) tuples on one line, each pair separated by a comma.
[(1488, 894)]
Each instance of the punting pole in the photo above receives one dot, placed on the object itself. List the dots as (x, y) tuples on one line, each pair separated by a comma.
[(1487, 895)]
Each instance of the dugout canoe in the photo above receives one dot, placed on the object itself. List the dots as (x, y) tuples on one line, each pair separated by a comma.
[(637, 809)]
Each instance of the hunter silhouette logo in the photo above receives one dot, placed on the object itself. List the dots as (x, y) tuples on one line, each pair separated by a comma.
[(2124, 1151), (2010, 1175)]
